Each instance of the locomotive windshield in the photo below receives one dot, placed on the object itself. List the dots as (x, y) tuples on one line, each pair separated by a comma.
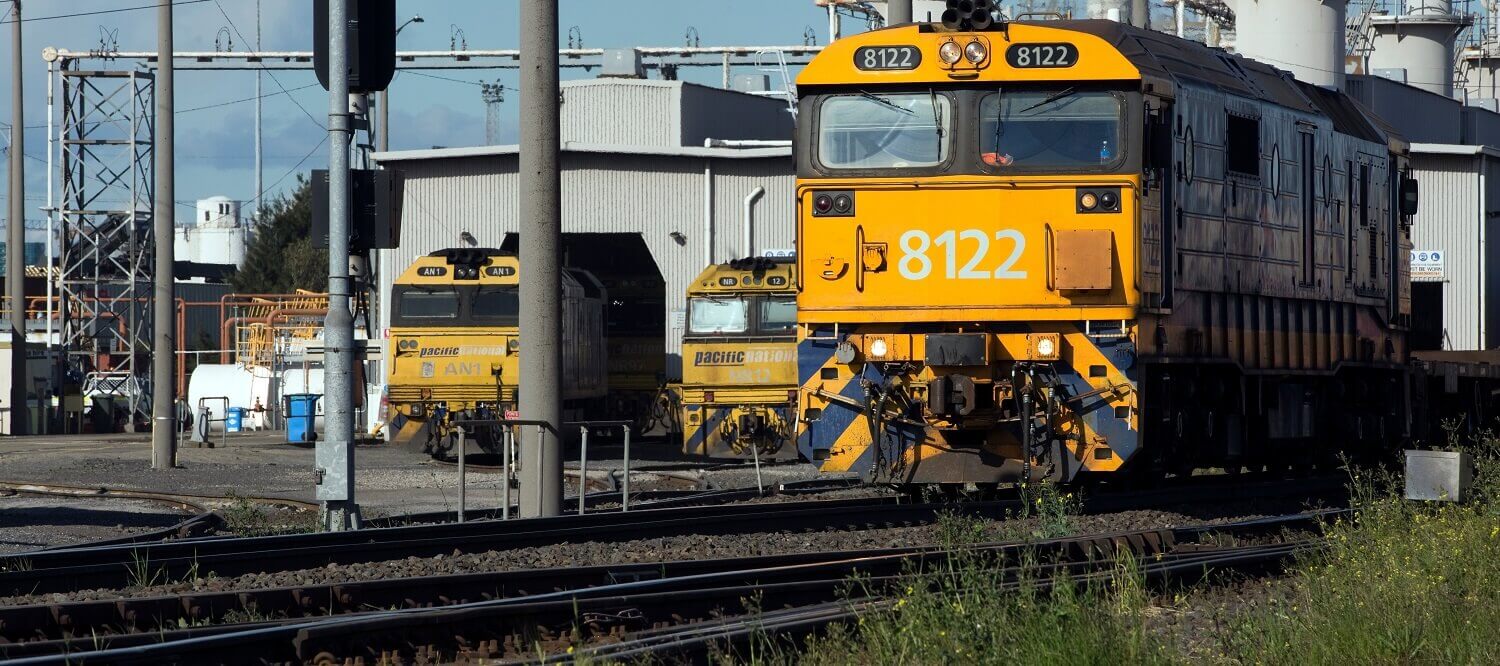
[(892, 131), (428, 304), (718, 315), (778, 314), (497, 306), (1030, 130)]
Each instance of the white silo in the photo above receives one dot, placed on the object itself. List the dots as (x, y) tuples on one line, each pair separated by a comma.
[(1416, 47), (1304, 37), (217, 236)]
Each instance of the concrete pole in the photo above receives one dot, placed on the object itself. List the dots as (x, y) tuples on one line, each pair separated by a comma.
[(335, 451), (541, 266), (382, 127), (1140, 13), (899, 12), (164, 292), (259, 165), (15, 248)]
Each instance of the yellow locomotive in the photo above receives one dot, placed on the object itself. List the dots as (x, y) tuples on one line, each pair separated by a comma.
[(1074, 247), (455, 344), (739, 371)]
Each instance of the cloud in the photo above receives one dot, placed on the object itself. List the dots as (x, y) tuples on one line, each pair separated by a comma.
[(436, 125)]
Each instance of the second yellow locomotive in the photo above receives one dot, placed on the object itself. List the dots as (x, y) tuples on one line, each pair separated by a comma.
[(455, 344), (739, 370)]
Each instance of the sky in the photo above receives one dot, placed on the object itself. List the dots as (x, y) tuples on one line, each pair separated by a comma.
[(215, 149)]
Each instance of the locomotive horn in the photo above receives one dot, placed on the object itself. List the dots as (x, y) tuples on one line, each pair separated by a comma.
[(965, 7), (981, 19), (950, 18)]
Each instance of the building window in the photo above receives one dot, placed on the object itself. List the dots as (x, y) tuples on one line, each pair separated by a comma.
[(1242, 145)]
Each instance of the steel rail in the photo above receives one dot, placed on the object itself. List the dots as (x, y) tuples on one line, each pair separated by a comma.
[(111, 566), (197, 503), (697, 642), (484, 629)]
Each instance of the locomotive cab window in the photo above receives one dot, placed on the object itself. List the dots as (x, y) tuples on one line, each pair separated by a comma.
[(497, 306), (884, 131), (428, 304), (710, 316), (1242, 145), (1051, 130), (778, 315)]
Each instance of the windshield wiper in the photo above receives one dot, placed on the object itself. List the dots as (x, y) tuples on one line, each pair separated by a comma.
[(886, 103), (937, 121), (1050, 99)]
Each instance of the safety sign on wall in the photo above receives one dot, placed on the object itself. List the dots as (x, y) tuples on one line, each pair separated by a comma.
[(1426, 265)]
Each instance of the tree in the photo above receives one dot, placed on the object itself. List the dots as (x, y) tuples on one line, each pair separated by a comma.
[(281, 258)]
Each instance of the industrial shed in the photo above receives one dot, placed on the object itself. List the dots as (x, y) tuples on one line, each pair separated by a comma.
[(651, 198), (1455, 260)]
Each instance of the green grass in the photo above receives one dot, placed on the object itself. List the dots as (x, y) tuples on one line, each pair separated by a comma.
[(244, 517), (1400, 583)]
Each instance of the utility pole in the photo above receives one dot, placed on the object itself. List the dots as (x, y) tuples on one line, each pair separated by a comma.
[(899, 12), (383, 122), (164, 296), (541, 265), (335, 454), (15, 249), (259, 170)]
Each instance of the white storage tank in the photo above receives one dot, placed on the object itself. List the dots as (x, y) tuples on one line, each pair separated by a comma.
[(1416, 48), (1304, 37), (216, 235)]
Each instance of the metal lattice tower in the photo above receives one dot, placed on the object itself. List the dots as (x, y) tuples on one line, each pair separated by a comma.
[(493, 95), (108, 127)]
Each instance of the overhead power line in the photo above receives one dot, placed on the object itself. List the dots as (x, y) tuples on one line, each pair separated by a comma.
[(268, 71), (177, 3)]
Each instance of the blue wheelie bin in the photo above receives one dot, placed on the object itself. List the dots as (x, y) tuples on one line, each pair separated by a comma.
[(301, 418), (234, 420)]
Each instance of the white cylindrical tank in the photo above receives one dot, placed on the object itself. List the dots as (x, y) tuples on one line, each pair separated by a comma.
[(217, 211), (219, 245), (216, 237), (247, 387), (1304, 37), (182, 246), (1419, 44), (243, 386)]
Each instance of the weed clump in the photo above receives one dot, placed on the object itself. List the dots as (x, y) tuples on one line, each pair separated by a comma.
[(1401, 582)]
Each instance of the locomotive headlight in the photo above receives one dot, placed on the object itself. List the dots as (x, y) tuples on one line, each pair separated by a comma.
[(975, 52), (1046, 347), (1088, 201), (949, 52), (878, 348), (1042, 346)]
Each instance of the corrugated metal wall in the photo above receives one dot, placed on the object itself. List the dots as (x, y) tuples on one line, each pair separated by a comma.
[(603, 193), (667, 114), (654, 118), (1448, 218)]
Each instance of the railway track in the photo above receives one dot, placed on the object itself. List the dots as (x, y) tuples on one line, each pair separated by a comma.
[(120, 566), (615, 612), (126, 565)]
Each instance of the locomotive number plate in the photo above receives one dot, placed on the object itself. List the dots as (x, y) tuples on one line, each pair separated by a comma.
[(879, 58), (432, 271), (1033, 56)]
